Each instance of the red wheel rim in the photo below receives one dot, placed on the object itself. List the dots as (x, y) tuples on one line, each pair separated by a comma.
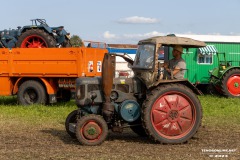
[(173, 115), (233, 85), (91, 131), (34, 41)]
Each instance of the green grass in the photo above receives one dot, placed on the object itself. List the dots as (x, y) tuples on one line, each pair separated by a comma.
[(216, 111), (34, 114)]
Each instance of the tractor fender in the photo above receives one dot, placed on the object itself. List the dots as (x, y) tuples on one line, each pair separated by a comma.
[(181, 81), (50, 86), (45, 28), (227, 69)]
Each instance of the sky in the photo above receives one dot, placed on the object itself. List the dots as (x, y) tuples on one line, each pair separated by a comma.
[(127, 21)]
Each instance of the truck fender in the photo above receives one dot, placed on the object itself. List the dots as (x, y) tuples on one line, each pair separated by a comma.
[(49, 85)]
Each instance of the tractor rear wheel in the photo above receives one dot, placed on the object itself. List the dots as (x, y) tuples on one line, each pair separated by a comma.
[(71, 118), (171, 114), (31, 92), (36, 38), (230, 84), (91, 130)]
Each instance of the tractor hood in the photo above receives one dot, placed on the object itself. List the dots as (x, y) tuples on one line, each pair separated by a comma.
[(173, 40)]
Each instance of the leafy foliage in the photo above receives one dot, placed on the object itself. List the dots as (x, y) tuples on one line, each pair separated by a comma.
[(76, 41)]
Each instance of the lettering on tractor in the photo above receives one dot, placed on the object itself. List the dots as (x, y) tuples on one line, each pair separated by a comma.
[(165, 109)]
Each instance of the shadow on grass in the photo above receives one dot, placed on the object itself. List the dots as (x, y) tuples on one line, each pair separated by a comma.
[(8, 100), (126, 136)]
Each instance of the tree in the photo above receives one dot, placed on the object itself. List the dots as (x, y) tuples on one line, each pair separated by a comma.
[(76, 41)]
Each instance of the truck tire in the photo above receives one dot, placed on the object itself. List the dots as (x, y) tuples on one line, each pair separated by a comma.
[(91, 130), (230, 84), (31, 92), (36, 38), (71, 118), (171, 114)]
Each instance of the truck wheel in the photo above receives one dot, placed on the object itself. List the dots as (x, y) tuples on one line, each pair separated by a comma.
[(91, 130), (230, 84), (171, 114), (31, 92), (71, 118), (36, 38)]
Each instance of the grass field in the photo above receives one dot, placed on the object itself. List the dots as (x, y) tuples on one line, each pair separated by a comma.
[(37, 132)]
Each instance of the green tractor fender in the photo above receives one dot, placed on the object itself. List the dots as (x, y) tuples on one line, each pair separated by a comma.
[(223, 72)]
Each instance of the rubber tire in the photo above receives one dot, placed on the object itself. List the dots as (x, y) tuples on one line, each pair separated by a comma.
[(71, 118), (224, 80), (101, 122), (66, 44), (148, 104), (50, 41), (37, 88)]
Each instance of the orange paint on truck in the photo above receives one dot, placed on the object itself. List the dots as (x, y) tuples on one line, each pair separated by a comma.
[(54, 68)]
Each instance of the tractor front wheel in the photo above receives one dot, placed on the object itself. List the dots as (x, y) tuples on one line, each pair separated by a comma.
[(36, 38), (171, 114), (71, 118), (91, 130), (230, 84)]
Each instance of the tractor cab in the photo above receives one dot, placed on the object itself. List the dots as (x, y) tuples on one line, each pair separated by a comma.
[(148, 67)]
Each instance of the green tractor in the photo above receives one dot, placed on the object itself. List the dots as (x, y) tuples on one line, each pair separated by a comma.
[(166, 110), (225, 78)]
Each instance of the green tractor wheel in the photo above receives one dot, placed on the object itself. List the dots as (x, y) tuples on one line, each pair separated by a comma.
[(230, 84), (171, 114)]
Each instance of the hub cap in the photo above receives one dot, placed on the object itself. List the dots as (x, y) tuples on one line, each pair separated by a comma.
[(173, 116), (91, 131), (34, 41), (233, 85)]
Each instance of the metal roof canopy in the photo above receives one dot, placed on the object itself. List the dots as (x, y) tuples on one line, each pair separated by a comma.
[(173, 40), (209, 49)]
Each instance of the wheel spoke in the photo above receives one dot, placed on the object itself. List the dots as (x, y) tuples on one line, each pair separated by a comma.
[(184, 124), (186, 113), (159, 116)]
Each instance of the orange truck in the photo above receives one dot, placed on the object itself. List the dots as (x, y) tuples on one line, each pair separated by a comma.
[(46, 75)]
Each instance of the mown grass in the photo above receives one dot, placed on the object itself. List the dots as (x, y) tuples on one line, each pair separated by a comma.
[(34, 114), (216, 111)]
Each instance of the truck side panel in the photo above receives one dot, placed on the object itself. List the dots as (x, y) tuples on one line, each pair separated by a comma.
[(50, 62), (5, 86)]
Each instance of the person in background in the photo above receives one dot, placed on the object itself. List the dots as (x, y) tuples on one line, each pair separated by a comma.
[(175, 66)]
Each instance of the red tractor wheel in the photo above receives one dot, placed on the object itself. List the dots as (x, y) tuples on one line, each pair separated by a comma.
[(230, 84), (171, 114), (36, 38), (91, 130)]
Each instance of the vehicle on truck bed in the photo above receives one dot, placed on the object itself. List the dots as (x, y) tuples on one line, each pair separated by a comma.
[(37, 35), (166, 110)]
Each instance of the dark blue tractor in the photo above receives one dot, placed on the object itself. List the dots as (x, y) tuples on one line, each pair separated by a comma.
[(37, 35)]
